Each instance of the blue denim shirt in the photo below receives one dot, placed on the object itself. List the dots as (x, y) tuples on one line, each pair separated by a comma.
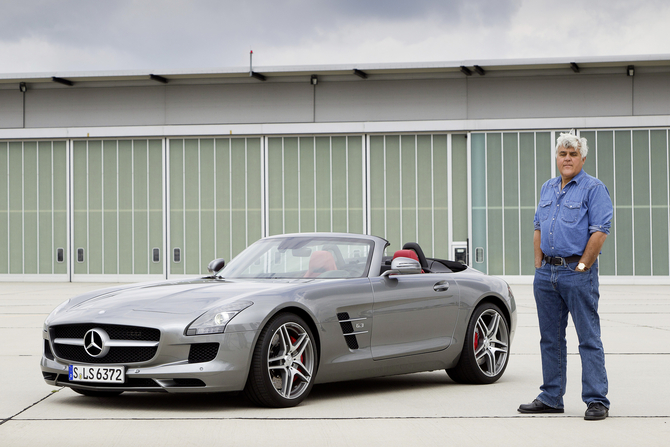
[(566, 218)]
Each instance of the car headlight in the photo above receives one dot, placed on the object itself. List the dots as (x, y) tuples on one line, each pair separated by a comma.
[(53, 313), (214, 321)]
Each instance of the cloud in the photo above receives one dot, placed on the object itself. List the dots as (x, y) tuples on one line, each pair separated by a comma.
[(75, 35)]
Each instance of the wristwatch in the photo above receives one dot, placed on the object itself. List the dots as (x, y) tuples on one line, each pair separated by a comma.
[(581, 267)]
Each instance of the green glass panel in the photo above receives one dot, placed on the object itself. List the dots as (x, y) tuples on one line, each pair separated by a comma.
[(511, 203), (140, 208), (377, 204), (207, 205), (30, 201), (176, 205), (459, 172), (393, 216), (241, 218), (110, 210), (4, 209), (95, 227), (440, 187), (223, 191), (307, 185), (60, 187), (356, 186), (341, 192), (641, 202), (80, 205), (430, 184), (47, 251), (409, 190), (604, 151), (527, 200), (659, 202), (543, 159), (494, 189), (254, 193), (156, 235), (191, 249), (590, 163), (323, 189), (275, 186), (125, 203), (291, 186), (623, 203), (479, 224)]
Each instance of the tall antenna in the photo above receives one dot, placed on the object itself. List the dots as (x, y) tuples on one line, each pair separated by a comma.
[(251, 58)]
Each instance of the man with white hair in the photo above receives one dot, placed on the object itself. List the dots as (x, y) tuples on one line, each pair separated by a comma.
[(572, 221)]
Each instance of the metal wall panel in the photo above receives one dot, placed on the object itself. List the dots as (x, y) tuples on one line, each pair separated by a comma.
[(581, 95), (652, 95), (11, 111), (117, 207), (74, 107), (215, 200), (286, 102), (33, 216), (367, 100)]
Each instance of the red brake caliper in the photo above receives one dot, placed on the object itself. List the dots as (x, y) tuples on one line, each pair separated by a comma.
[(476, 340)]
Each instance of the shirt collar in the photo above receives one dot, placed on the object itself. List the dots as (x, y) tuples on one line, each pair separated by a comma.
[(577, 179)]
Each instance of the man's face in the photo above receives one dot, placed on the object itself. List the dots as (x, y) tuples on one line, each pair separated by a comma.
[(569, 162)]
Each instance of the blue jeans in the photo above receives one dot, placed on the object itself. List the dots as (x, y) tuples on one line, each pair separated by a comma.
[(560, 289)]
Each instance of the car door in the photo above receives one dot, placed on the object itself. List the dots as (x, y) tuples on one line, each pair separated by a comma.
[(413, 314)]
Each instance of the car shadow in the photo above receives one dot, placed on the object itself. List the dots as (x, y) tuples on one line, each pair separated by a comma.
[(163, 404)]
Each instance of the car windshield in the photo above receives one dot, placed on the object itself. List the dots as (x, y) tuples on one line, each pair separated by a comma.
[(302, 257)]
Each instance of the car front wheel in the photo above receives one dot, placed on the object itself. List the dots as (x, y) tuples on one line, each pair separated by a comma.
[(486, 349), (283, 364)]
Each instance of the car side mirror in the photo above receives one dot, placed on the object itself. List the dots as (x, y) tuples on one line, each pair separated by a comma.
[(216, 265), (403, 266)]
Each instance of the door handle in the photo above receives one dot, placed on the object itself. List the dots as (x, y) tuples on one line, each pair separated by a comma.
[(441, 286)]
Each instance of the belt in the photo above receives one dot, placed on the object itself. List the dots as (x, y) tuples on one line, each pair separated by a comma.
[(556, 260)]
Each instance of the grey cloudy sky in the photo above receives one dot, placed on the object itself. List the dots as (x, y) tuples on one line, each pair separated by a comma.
[(92, 35)]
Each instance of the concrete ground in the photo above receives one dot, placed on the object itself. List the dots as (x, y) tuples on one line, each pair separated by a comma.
[(415, 409)]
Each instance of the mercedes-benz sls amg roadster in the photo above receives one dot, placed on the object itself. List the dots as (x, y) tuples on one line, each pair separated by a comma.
[(288, 312)]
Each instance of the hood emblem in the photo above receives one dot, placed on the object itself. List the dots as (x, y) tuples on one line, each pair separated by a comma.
[(96, 343)]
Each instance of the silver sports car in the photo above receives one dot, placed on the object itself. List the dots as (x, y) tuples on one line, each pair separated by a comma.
[(288, 312)]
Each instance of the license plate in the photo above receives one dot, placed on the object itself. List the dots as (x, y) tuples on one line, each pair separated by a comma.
[(98, 374)]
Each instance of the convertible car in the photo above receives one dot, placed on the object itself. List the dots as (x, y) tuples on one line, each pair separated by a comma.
[(289, 312)]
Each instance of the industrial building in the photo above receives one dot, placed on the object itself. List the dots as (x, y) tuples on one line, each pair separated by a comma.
[(128, 176)]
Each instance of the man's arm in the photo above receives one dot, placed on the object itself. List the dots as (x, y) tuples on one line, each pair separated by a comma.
[(538, 251), (592, 249)]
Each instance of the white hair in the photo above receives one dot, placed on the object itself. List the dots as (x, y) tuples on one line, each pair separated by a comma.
[(571, 140)]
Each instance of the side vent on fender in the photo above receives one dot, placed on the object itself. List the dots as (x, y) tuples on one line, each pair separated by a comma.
[(347, 325)]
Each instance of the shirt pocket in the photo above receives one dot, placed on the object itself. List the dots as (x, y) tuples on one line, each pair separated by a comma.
[(544, 209), (571, 211)]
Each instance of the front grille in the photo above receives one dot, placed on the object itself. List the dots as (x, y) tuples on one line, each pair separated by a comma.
[(203, 352), (120, 355), (115, 332), (130, 383), (116, 354)]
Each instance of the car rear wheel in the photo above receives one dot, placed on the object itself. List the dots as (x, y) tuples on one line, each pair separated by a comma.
[(96, 393), (485, 352), (283, 364)]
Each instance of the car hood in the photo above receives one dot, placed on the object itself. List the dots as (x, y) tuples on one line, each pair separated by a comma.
[(172, 297)]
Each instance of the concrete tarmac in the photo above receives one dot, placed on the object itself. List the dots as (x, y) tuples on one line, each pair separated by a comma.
[(414, 409)]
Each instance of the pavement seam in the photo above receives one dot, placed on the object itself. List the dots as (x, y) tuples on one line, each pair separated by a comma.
[(29, 407)]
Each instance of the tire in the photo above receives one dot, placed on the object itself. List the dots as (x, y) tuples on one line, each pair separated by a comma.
[(284, 363), (96, 393), (486, 349)]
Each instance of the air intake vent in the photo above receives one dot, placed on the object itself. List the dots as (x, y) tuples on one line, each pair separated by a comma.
[(347, 330)]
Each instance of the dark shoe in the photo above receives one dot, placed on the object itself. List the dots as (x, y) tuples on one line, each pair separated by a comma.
[(596, 412), (538, 407)]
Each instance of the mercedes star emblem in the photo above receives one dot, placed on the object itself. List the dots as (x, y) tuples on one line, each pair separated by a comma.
[(96, 342)]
